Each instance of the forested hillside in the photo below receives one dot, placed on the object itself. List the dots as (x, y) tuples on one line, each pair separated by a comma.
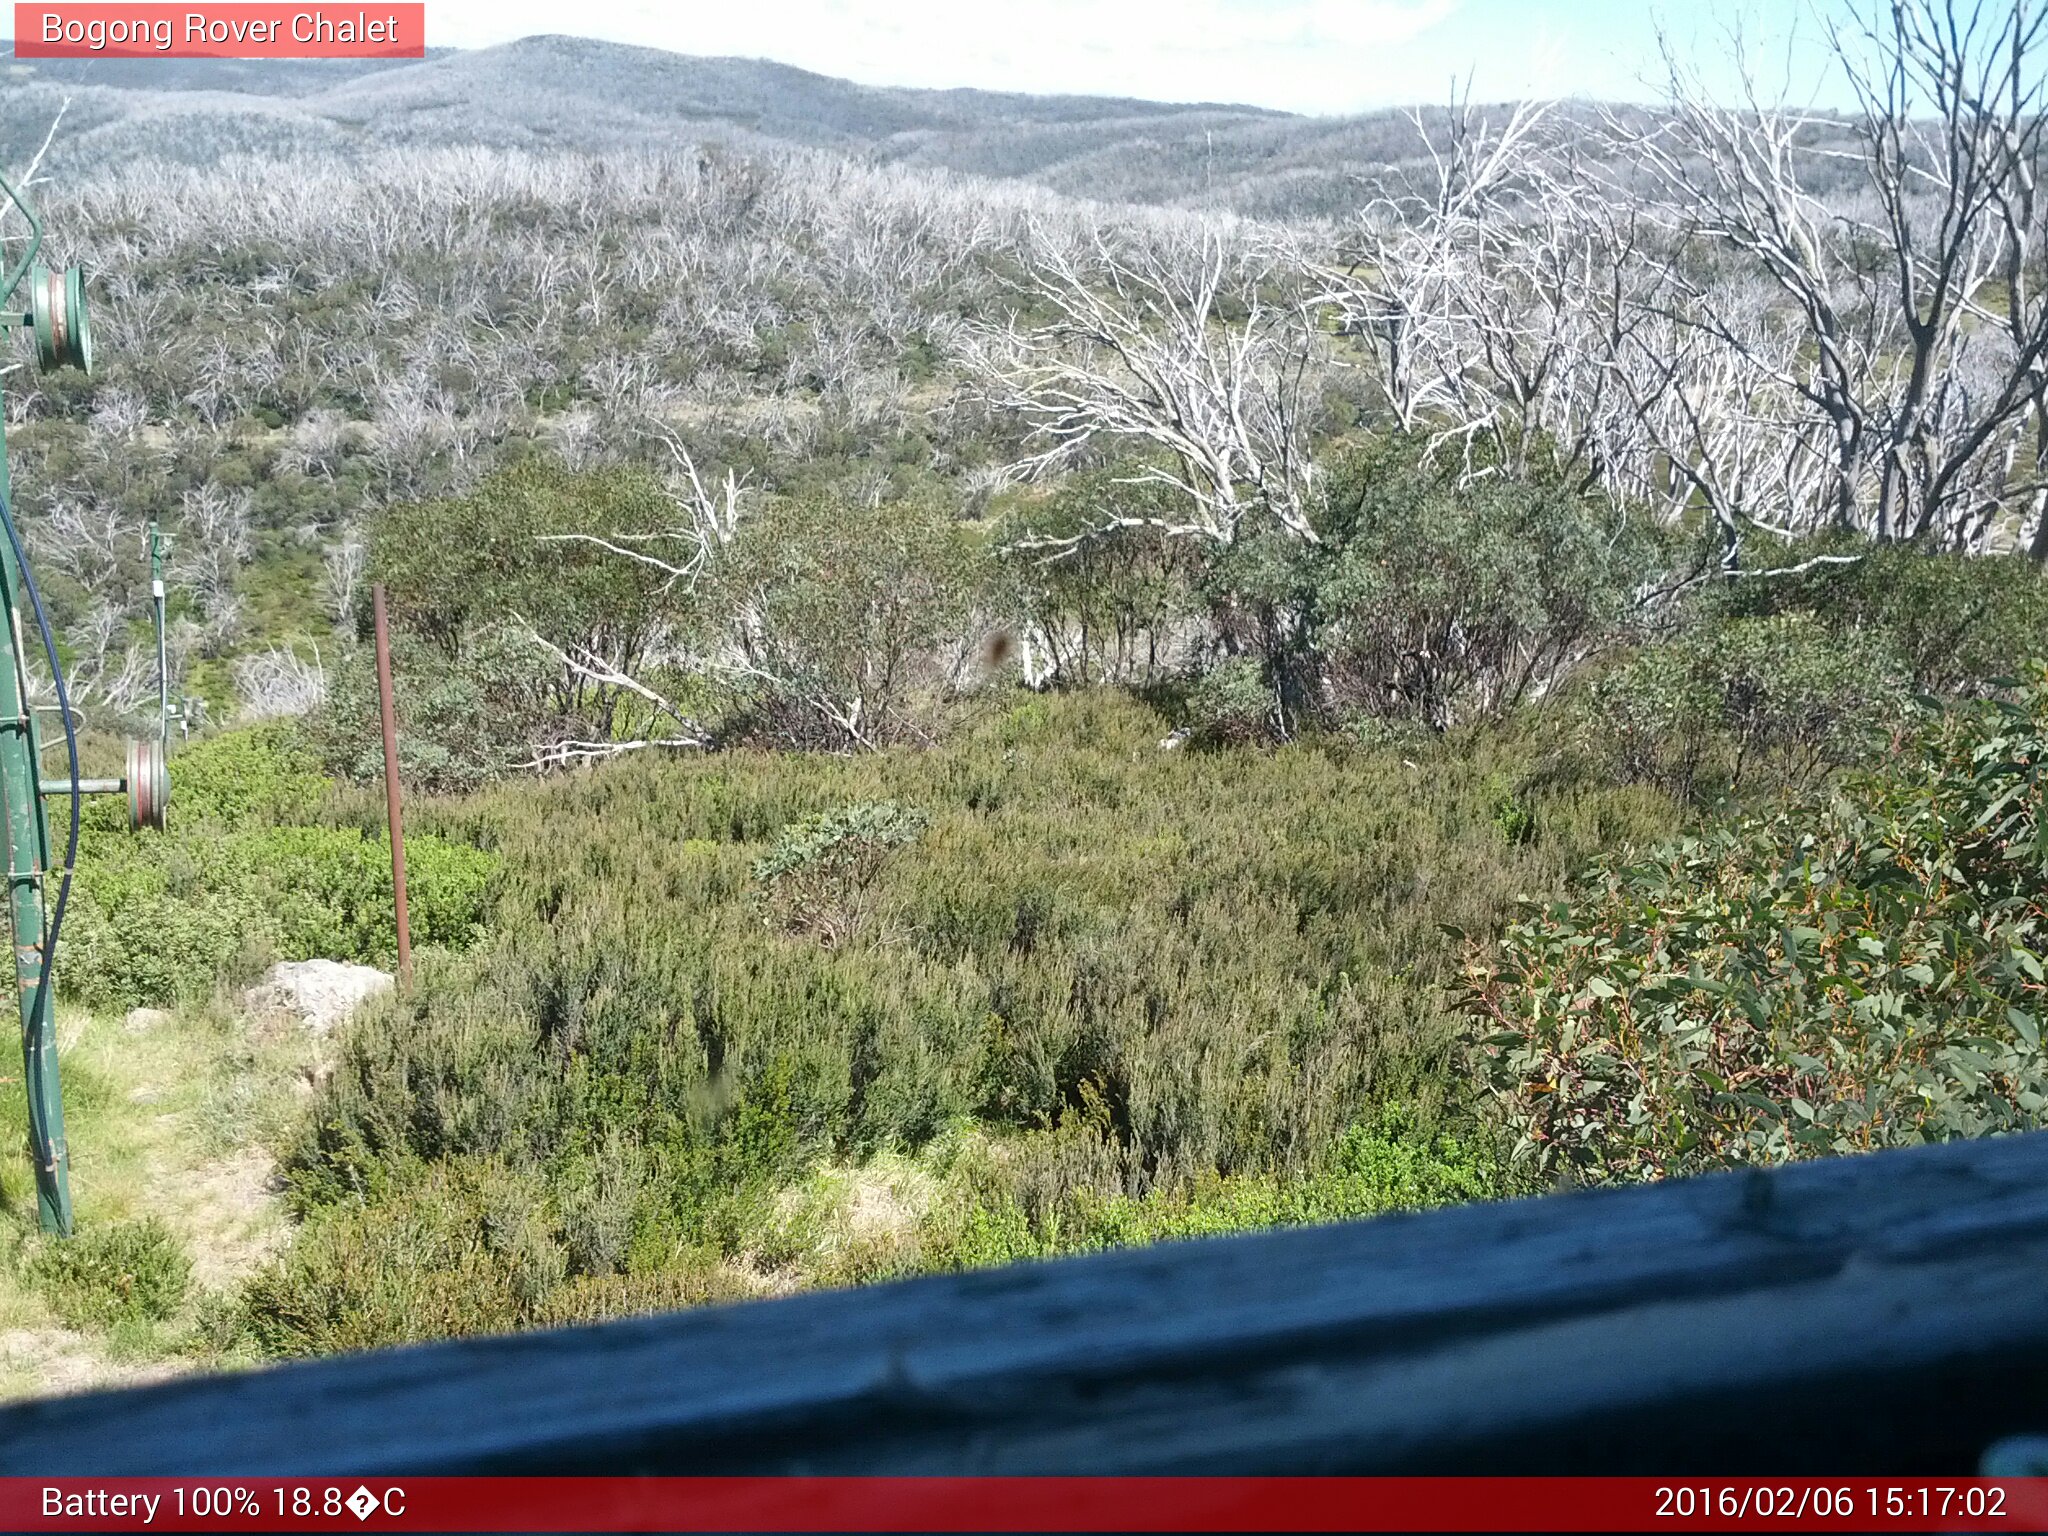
[(550, 93), (981, 676)]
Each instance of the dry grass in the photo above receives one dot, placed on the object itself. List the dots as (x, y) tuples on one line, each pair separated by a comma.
[(175, 1120)]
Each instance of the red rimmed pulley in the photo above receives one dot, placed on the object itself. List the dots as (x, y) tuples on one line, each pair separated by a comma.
[(149, 786), (57, 315)]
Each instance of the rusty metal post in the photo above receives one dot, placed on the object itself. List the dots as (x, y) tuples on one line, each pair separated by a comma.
[(391, 809)]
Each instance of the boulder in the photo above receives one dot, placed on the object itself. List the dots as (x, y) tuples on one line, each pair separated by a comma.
[(317, 994)]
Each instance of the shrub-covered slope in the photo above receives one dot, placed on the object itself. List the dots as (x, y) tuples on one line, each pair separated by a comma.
[(1094, 991)]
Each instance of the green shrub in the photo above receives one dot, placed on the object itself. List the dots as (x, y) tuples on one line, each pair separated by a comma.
[(459, 1247), (1234, 704), (1865, 971), (1437, 601), (462, 721), (1955, 622), (160, 917), (853, 620), (477, 583), (989, 1215), (233, 884), (600, 1298), (1512, 815), (159, 920), (262, 773), (818, 877), (1782, 698), (115, 1272), (155, 932), (328, 890), (1101, 607)]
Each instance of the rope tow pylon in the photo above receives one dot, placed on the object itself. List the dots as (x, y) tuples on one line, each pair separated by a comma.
[(57, 319)]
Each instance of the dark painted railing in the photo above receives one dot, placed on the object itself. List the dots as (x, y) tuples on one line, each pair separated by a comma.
[(1884, 1314)]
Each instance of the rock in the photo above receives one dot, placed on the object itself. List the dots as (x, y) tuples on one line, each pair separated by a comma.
[(318, 994), (140, 1020)]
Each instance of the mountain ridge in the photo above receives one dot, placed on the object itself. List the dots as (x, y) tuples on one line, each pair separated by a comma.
[(556, 92)]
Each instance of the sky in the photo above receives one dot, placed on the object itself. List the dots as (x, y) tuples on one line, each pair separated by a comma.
[(1312, 56)]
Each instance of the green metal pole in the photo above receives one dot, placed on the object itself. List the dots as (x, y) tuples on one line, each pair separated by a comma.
[(163, 676), (27, 836)]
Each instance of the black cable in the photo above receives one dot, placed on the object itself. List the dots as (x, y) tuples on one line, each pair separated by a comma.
[(35, 600)]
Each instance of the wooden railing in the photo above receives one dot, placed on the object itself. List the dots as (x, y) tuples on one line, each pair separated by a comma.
[(1883, 1314)]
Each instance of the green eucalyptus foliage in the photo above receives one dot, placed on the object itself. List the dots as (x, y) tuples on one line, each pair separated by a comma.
[(1444, 603), (825, 621), (1805, 662), (1955, 623), (1102, 607), (489, 594), (1234, 702), (462, 721), (1861, 970), (526, 541), (1422, 599)]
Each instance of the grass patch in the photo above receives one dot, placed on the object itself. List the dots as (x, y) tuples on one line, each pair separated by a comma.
[(120, 1272), (170, 1129)]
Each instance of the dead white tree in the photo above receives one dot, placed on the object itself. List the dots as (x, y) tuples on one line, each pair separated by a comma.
[(278, 683), (110, 671), (1952, 105), (711, 521), (1422, 282), (1196, 348), (590, 666), (343, 567), (1920, 325), (317, 444), (213, 544), (1717, 426)]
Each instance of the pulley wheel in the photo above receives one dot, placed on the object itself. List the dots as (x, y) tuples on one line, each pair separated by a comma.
[(149, 786), (58, 314)]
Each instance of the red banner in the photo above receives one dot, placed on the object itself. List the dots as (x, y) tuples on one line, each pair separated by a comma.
[(238, 31), (804, 1504)]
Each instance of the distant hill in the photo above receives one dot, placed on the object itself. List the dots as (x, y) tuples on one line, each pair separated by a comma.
[(584, 94)]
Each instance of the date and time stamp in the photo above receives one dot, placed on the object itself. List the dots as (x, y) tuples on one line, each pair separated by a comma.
[(1868, 1505)]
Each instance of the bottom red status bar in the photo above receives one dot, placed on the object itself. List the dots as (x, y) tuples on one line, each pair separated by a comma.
[(1022, 1504)]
